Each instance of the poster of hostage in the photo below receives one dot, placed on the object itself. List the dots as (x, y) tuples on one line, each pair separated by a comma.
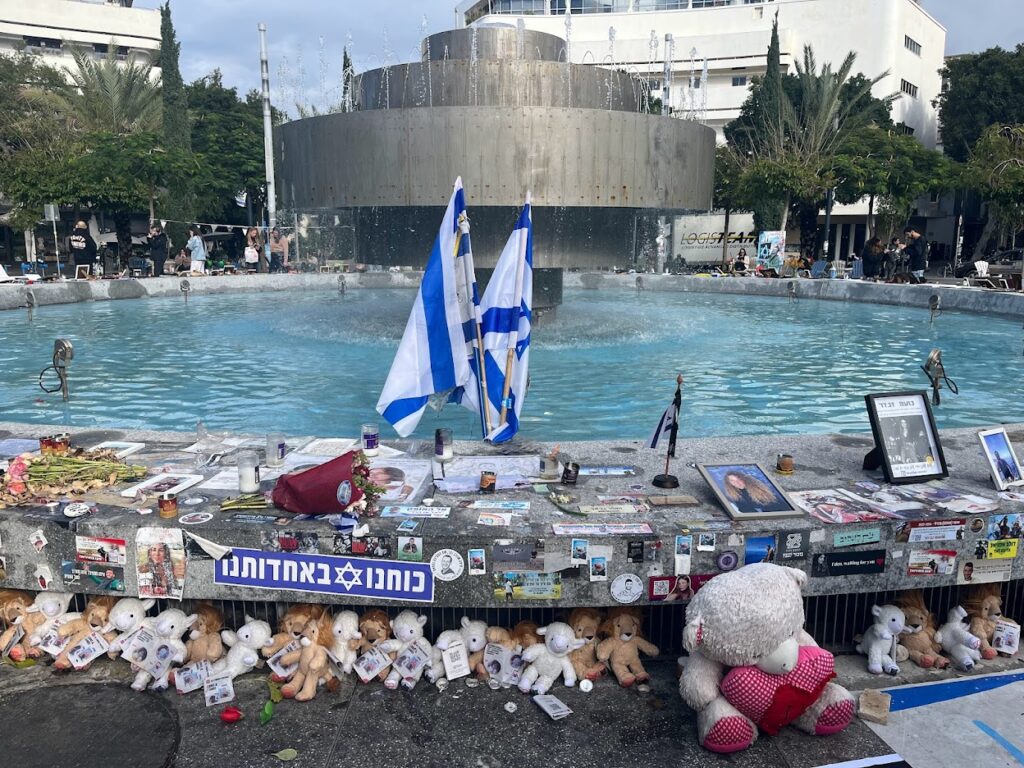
[(906, 435), (160, 562)]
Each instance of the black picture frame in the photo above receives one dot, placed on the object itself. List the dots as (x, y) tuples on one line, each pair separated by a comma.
[(894, 453), (781, 505)]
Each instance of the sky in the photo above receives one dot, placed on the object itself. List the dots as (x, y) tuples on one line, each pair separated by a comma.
[(306, 37)]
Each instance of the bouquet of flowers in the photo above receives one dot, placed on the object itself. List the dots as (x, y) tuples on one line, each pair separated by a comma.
[(341, 485), (29, 476)]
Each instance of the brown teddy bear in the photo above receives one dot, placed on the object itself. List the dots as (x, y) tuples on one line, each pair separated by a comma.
[(291, 625), (984, 609), (14, 604), (919, 636), (375, 627), (525, 634), (314, 666), (623, 646), (204, 643), (585, 622), (93, 618)]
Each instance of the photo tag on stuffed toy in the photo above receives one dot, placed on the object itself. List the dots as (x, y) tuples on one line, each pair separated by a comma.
[(149, 651), (279, 669), (52, 643), (16, 637), (497, 661), (92, 646), (371, 663), (192, 677), (412, 660), (219, 689), (553, 706), (456, 663), (1006, 638)]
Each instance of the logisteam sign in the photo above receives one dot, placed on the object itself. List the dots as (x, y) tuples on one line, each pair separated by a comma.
[(327, 574)]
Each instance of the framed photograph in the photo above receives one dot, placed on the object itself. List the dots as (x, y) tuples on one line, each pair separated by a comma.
[(1002, 461), (746, 491), (82, 272), (163, 483), (906, 438)]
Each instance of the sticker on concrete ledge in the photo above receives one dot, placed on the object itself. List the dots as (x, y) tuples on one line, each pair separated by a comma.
[(447, 565), (627, 588)]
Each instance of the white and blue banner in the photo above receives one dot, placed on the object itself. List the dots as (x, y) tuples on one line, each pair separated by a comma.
[(327, 575), (432, 357), (505, 322)]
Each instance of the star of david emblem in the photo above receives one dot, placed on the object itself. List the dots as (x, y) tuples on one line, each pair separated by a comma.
[(348, 576)]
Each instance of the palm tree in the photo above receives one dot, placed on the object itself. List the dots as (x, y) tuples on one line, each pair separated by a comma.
[(108, 95)]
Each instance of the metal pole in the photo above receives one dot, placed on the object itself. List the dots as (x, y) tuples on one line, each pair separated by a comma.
[(268, 128), (56, 250), (296, 237), (828, 223)]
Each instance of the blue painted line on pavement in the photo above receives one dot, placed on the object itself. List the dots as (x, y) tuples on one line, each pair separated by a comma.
[(920, 695), (999, 739)]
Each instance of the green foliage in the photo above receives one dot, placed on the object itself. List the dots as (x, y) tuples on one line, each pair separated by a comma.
[(981, 90), (996, 171), (175, 101)]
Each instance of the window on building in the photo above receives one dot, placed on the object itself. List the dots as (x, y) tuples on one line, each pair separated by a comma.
[(912, 45), (42, 43), (739, 81), (908, 88), (904, 129), (695, 82)]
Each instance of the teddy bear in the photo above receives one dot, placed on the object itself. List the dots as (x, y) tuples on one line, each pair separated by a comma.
[(525, 634), (408, 630), (375, 627), (585, 622), (244, 647), (125, 618), (291, 625), (474, 636), (445, 640), (314, 667), (501, 636), (14, 605), (985, 609), (93, 619), (919, 636), (957, 641), (346, 639), (751, 665), (881, 639), (204, 642), (169, 626), (623, 645), (48, 611), (547, 660)]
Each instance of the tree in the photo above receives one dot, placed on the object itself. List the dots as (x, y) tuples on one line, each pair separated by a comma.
[(996, 171), (227, 140), (176, 131), (980, 90)]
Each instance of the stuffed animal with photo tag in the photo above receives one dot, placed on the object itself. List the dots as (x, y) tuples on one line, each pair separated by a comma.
[(408, 630), (291, 625), (125, 618), (375, 628), (314, 665), (14, 605), (204, 642), (169, 626), (244, 647), (48, 611), (984, 607), (94, 618), (474, 637)]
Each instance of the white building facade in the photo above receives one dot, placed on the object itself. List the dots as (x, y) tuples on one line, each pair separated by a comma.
[(716, 47), (52, 28)]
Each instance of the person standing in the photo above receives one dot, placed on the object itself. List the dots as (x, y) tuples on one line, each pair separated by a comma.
[(158, 247), (83, 247), (278, 251), (253, 248), (197, 250), (916, 251)]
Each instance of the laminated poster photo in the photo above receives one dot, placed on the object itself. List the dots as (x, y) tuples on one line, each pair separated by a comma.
[(160, 562)]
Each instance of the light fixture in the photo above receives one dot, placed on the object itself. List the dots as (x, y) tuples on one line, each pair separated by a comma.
[(936, 373)]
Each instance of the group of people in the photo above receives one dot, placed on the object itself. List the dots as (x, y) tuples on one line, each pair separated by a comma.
[(909, 255)]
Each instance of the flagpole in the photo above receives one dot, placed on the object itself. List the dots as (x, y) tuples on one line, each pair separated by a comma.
[(666, 480), (481, 380), (513, 337)]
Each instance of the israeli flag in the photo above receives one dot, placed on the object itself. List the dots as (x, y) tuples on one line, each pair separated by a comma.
[(433, 357), (665, 425), (505, 324)]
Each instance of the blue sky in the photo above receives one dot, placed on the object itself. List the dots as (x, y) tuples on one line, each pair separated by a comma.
[(222, 33)]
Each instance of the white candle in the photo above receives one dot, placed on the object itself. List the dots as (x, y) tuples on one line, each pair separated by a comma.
[(248, 473)]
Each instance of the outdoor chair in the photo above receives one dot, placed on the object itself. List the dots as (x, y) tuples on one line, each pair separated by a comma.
[(857, 270), (818, 269), (4, 277)]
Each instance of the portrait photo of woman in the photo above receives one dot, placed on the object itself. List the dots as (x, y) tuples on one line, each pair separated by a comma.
[(746, 491)]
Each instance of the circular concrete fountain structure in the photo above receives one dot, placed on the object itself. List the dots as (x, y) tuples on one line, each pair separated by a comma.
[(502, 108)]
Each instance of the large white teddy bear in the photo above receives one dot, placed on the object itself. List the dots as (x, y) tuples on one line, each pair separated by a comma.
[(752, 666), (346, 639), (549, 660), (169, 625), (244, 647), (408, 630), (127, 615), (957, 641)]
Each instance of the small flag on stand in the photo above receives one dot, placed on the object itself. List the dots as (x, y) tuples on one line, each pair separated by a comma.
[(669, 423)]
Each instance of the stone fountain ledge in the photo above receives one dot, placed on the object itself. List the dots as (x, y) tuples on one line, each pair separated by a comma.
[(823, 461), (953, 297)]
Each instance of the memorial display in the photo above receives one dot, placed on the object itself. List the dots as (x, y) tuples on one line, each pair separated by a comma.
[(907, 447)]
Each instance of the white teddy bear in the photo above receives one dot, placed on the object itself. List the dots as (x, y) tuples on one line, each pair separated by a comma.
[(956, 640), (244, 647), (749, 656), (549, 660), (407, 628), (169, 625), (52, 610), (881, 640), (474, 636), (445, 640), (346, 639), (127, 615)]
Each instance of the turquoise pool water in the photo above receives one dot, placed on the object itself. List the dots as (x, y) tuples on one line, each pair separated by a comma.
[(315, 362)]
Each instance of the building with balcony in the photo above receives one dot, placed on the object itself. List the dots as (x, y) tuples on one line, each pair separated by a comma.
[(705, 53), (52, 28)]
